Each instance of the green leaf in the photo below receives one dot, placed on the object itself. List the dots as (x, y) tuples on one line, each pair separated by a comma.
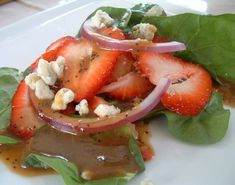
[(121, 16), (208, 39), (139, 11), (111, 181), (5, 116), (123, 131), (134, 149), (12, 72), (125, 19), (8, 140), (208, 127), (8, 83), (65, 168), (9, 80), (69, 171)]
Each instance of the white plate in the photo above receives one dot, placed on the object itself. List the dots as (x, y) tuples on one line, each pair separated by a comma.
[(175, 163)]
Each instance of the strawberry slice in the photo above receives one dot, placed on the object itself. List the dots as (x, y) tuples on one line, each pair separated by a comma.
[(52, 50), (128, 87), (191, 85), (123, 66), (88, 67), (114, 33), (59, 43), (95, 101), (24, 120)]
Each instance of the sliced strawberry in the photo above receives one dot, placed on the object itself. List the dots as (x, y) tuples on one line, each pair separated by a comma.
[(52, 50), (191, 85), (95, 101), (59, 43), (48, 56), (24, 120), (128, 87), (114, 33), (88, 67), (123, 66)]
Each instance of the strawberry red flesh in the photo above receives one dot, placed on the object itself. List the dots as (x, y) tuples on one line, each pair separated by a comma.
[(95, 102), (24, 120), (114, 33), (128, 87), (191, 84), (59, 43), (123, 66), (88, 67)]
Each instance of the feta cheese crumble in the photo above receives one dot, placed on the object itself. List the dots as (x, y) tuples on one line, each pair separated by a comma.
[(82, 107), (101, 20), (154, 11), (144, 31), (31, 80), (42, 91), (62, 98), (46, 73), (58, 66), (103, 110)]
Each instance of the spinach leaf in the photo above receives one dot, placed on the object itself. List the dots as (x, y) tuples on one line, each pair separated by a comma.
[(65, 168), (5, 116), (134, 149), (125, 19), (121, 16), (208, 127), (8, 140), (69, 171), (139, 11), (9, 80), (208, 39), (12, 72), (112, 181)]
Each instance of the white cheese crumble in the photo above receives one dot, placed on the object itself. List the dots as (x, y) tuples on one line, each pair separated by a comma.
[(42, 90), (31, 80), (146, 182), (103, 110), (154, 11), (101, 20), (82, 107), (58, 66), (62, 98), (144, 31), (46, 73)]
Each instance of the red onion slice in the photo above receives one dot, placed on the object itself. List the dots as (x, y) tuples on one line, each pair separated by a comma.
[(75, 125), (127, 45)]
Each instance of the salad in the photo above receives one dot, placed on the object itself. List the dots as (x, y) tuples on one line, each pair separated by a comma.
[(81, 107)]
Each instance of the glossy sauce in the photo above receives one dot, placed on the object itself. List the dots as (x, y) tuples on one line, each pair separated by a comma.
[(11, 156), (91, 154), (101, 157)]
